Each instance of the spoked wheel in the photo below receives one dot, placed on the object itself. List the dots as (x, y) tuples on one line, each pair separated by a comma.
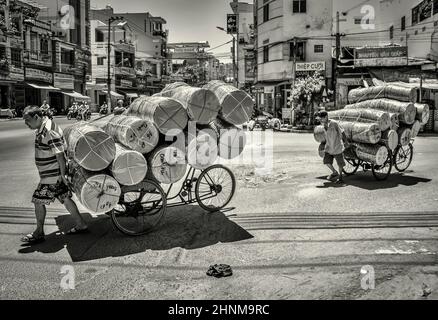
[(351, 166), (403, 157), (382, 172), (141, 208), (215, 188)]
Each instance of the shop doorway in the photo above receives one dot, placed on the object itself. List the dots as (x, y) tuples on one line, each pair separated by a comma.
[(33, 97), (57, 102), (4, 93)]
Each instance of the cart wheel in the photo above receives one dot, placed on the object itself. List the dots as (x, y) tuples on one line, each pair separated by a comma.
[(403, 157), (215, 188), (141, 208), (382, 172), (351, 166)]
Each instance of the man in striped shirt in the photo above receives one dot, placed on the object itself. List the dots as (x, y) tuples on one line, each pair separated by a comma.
[(51, 165)]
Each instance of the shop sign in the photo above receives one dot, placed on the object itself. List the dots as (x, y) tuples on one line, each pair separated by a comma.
[(63, 81), (310, 66), (380, 57), (38, 75), (126, 83)]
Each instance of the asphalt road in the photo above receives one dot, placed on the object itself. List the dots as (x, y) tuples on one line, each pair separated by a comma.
[(290, 234)]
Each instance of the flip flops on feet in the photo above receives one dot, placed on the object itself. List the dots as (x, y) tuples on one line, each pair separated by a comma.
[(333, 177), (32, 239)]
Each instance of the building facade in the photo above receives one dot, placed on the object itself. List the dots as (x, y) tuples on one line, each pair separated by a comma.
[(293, 39)]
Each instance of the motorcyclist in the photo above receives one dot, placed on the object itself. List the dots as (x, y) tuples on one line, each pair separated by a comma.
[(45, 108), (87, 113), (120, 109), (104, 108)]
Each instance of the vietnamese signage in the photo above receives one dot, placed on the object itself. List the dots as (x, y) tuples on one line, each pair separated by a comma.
[(231, 23), (38, 75), (126, 83), (63, 81), (310, 66), (382, 56)]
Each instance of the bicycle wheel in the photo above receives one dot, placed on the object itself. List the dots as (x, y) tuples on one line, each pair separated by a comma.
[(215, 188), (382, 172), (351, 166), (141, 208), (403, 157)]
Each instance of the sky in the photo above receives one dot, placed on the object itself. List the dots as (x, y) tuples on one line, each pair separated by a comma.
[(187, 20)]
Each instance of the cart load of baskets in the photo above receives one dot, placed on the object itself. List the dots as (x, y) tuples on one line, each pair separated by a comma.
[(120, 164), (380, 123)]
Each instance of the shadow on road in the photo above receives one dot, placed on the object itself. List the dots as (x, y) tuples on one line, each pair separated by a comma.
[(365, 180), (186, 227)]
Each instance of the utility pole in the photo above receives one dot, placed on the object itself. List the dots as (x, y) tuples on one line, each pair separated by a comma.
[(294, 53), (108, 96), (237, 49), (234, 62), (338, 55)]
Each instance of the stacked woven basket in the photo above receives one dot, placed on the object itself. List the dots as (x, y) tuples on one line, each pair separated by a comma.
[(156, 138), (378, 119)]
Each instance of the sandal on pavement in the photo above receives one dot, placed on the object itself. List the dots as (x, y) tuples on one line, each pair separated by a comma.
[(76, 230), (333, 177), (31, 239)]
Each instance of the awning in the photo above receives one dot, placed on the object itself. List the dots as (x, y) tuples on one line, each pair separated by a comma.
[(42, 87), (132, 95), (76, 95), (114, 94)]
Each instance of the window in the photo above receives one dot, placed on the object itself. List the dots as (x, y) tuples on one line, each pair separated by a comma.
[(357, 20), (16, 57), (299, 6), (391, 33), (265, 54), (99, 36), (415, 15), (44, 46), (319, 48), (298, 51), (266, 13), (100, 61), (435, 7), (67, 56), (403, 23), (425, 10), (33, 41)]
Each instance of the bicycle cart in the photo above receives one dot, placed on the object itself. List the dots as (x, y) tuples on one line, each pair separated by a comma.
[(400, 159), (142, 207)]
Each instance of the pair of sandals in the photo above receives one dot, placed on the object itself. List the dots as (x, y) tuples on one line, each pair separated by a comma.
[(33, 239), (335, 178)]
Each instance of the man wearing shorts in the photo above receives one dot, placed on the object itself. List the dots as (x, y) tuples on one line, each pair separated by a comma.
[(334, 147), (51, 165)]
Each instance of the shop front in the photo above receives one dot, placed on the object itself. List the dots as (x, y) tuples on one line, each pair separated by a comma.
[(38, 87)]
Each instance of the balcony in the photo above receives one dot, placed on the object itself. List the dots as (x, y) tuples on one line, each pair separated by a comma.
[(67, 68), (125, 71), (124, 47), (38, 58), (158, 33)]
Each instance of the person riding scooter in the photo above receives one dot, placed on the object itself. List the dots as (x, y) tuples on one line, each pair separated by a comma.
[(73, 111), (103, 109), (46, 111)]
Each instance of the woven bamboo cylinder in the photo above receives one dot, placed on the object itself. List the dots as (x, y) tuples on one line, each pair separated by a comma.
[(362, 132), (172, 86), (236, 105), (167, 165), (423, 113), (364, 116), (394, 122), (129, 167), (416, 127), (379, 92), (202, 148), (134, 133), (167, 114), (405, 135), (90, 147), (320, 134), (202, 105), (390, 139), (97, 192), (406, 110), (376, 154), (232, 140)]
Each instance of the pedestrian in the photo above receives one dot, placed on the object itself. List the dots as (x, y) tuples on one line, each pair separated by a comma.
[(51, 164), (120, 108), (336, 141)]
